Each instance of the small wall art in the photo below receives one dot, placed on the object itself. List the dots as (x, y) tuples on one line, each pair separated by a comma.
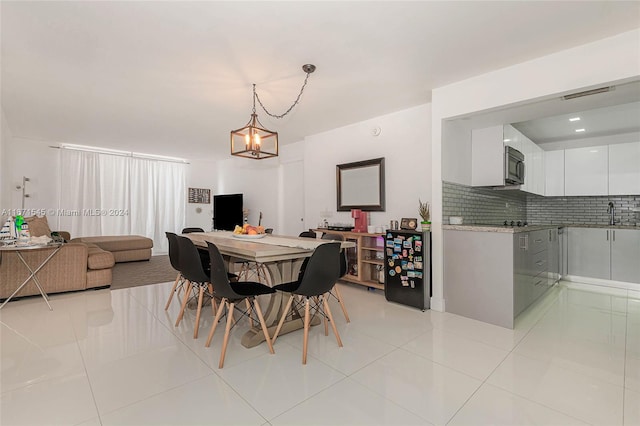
[(199, 196)]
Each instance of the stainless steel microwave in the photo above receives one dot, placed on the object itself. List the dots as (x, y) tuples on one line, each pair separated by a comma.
[(513, 166)]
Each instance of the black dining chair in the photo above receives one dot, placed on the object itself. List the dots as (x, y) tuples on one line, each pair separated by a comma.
[(191, 230), (175, 264), (307, 234), (196, 276), (335, 291), (231, 293), (319, 277)]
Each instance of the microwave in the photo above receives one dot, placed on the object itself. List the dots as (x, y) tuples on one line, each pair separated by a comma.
[(513, 166)]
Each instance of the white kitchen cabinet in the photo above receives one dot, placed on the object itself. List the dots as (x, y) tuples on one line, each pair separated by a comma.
[(625, 255), (589, 252), (586, 171), (606, 253), (538, 170), (487, 156), (512, 137), (624, 169), (554, 173), (534, 166)]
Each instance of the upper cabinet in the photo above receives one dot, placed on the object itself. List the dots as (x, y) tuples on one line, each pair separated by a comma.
[(624, 169), (586, 171), (487, 156), (554, 173)]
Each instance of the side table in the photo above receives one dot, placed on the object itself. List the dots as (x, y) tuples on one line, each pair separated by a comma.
[(32, 272)]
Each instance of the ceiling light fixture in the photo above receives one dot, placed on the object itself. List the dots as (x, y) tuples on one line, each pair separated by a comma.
[(574, 119), (253, 140), (580, 130)]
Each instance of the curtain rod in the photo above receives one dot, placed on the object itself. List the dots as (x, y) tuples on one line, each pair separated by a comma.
[(122, 154)]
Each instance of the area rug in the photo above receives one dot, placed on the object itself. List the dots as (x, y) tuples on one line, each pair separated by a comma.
[(132, 274)]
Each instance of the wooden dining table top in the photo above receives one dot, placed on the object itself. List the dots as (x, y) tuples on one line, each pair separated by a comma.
[(270, 248)]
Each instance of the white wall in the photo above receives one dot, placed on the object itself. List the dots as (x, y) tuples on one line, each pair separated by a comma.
[(610, 60), (5, 137), (41, 164), (201, 174), (405, 143), (258, 181)]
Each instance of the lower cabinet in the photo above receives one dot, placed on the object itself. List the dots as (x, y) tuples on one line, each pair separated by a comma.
[(536, 265), (604, 253)]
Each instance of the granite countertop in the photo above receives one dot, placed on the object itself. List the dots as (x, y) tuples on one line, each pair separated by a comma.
[(516, 229)]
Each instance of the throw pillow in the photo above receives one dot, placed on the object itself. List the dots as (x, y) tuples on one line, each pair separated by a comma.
[(38, 226)]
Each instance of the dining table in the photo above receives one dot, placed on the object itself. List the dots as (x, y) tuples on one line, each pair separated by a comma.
[(281, 255)]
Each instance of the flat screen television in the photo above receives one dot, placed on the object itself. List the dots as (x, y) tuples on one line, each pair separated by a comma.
[(227, 211)]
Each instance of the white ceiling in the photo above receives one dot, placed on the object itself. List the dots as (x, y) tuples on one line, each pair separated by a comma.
[(174, 78)]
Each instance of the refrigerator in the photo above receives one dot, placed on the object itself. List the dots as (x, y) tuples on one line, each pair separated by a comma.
[(407, 266)]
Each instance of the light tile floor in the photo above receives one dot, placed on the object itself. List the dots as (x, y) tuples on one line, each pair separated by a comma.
[(115, 358)]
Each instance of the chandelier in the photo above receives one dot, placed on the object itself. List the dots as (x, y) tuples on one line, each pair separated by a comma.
[(254, 140)]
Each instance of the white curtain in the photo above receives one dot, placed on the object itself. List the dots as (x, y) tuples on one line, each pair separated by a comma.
[(103, 194)]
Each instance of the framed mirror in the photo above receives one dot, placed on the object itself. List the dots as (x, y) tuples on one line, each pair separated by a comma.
[(360, 185)]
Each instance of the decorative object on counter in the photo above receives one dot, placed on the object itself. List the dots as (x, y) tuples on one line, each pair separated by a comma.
[(361, 220), (423, 211), (253, 140), (410, 223), (455, 220)]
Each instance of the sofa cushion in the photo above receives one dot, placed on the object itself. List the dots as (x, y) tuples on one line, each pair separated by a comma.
[(38, 226), (118, 242), (99, 259)]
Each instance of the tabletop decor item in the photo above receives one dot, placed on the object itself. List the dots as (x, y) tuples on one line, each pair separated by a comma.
[(424, 212)]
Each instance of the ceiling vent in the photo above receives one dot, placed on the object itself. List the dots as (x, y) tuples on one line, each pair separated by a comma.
[(588, 93)]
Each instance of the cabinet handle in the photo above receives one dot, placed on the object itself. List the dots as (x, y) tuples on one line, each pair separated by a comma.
[(607, 235), (538, 283), (614, 235), (538, 241)]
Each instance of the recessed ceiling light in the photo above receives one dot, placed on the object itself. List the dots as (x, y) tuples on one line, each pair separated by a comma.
[(507, 140), (574, 119), (580, 130)]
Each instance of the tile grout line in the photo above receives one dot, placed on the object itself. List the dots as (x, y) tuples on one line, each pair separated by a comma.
[(510, 352)]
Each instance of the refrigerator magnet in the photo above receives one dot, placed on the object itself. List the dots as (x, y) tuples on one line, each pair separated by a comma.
[(398, 269), (411, 274), (397, 248), (410, 265), (389, 243), (391, 263), (413, 284), (418, 265), (405, 253), (406, 244), (389, 252), (404, 264), (392, 273)]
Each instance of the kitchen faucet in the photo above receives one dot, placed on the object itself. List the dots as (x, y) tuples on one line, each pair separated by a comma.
[(612, 213)]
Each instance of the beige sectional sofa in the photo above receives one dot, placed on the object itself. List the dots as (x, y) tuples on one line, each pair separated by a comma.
[(125, 248), (77, 266)]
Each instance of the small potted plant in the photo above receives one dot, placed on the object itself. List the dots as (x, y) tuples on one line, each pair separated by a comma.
[(424, 214)]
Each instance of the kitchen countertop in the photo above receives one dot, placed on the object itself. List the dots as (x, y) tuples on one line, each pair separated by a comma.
[(516, 229)]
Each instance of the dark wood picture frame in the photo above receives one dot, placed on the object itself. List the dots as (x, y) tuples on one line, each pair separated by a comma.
[(360, 185)]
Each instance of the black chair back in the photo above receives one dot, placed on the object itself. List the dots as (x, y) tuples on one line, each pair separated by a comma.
[(343, 252), (190, 261), (219, 278), (190, 230), (173, 250), (322, 271), (307, 234)]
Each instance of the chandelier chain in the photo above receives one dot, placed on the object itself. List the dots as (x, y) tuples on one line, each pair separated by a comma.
[(255, 96)]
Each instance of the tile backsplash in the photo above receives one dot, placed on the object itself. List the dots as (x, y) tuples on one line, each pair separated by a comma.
[(485, 206), (482, 206), (582, 210)]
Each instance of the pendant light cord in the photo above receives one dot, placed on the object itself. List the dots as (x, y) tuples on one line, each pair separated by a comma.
[(255, 96)]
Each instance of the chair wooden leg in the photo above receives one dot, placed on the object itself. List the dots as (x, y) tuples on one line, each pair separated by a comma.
[(333, 324), (339, 297), (305, 339), (198, 312), (265, 330), (282, 318), (213, 300), (215, 322), (226, 334), (173, 290), (248, 303), (184, 303)]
